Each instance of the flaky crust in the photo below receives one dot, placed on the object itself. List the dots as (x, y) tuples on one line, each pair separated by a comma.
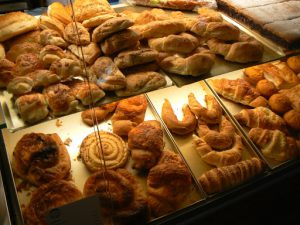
[(90, 52), (32, 36), (51, 53), (40, 158), (77, 34), (51, 23), (98, 20), (27, 63), (23, 48), (52, 37), (58, 11), (47, 197), (6, 72), (66, 68)]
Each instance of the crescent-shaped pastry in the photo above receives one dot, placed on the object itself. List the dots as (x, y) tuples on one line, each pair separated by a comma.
[(40, 158), (114, 152)]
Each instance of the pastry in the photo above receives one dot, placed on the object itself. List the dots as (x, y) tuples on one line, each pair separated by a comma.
[(2, 52), (6, 72), (238, 90), (128, 203), (294, 63), (107, 74), (253, 74), (40, 158), (27, 63), (52, 37), (266, 88), (216, 157), (60, 99), (87, 92), (103, 150), (131, 58), (51, 23), (88, 53), (98, 20), (220, 139), (293, 94), (152, 66), (181, 43), (280, 103), (138, 83), (66, 68), (260, 117), (147, 16), (119, 41), (129, 113), (77, 34), (245, 50), (31, 36), (194, 65), (275, 144), (51, 53), (47, 197), (98, 114), (57, 10), (292, 118), (168, 184), (211, 115), (32, 107), (185, 126), (110, 27), (15, 23), (20, 85), (226, 177), (43, 78), (146, 144), (23, 48)]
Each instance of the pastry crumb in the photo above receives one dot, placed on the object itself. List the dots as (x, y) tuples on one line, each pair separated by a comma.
[(67, 141), (58, 123)]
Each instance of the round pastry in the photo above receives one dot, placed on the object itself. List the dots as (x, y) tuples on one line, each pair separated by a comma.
[(6, 72), (292, 118), (40, 158), (279, 103), (266, 88), (27, 63), (23, 48), (114, 152), (120, 194), (294, 63), (49, 196), (245, 50)]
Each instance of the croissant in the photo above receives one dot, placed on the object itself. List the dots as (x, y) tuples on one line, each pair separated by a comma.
[(226, 177), (186, 126), (275, 144), (238, 90), (261, 117)]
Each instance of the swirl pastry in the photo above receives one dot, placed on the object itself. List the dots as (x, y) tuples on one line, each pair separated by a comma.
[(40, 158), (121, 196), (114, 151), (47, 197)]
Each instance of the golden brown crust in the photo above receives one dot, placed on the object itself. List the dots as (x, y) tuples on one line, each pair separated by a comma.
[(47, 197), (20, 85), (294, 63), (52, 37), (23, 48), (98, 20), (32, 36), (279, 103), (57, 10), (90, 52), (266, 88), (254, 74), (6, 72), (51, 53), (82, 37), (292, 118), (40, 158), (51, 23), (43, 78), (66, 68), (152, 66), (27, 63)]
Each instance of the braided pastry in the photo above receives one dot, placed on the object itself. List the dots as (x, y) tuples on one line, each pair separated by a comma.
[(114, 152), (40, 158), (121, 196)]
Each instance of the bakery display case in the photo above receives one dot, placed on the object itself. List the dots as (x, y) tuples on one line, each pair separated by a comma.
[(159, 116)]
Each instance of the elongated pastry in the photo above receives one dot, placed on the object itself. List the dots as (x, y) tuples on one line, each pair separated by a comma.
[(127, 205), (226, 177), (238, 90), (32, 36), (185, 126), (90, 52), (261, 117), (275, 144), (51, 23), (77, 34), (58, 11), (145, 142), (40, 158), (50, 196), (52, 37)]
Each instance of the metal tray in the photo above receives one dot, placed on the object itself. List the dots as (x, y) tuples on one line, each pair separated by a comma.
[(72, 127), (178, 97)]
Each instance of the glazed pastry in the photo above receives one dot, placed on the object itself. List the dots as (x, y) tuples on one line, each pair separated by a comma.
[(90, 52), (77, 34), (23, 48), (127, 205), (52, 37), (87, 92), (145, 142), (32, 107), (280, 103), (186, 126), (60, 99), (111, 153), (292, 118), (129, 113), (260, 117), (139, 83), (97, 115), (66, 68), (20, 85), (27, 63), (49, 196), (107, 74), (238, 90), (51, 23), (168, 184), (216, 157), (6, 72), (40, 158), (211, 115), (275, 144), (51, 53), (226, 177), (266, 88), (221, 139)]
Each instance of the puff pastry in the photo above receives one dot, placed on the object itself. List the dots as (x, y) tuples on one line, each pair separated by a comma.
[(23, 48), (66, 68), (52, 37), (76, 34)]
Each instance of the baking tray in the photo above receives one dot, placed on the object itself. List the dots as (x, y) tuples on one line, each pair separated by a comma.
[(178, 97), (71, 127), (271, 51), (234, 108)]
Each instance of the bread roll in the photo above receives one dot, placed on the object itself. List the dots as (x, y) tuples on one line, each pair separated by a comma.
[(292, 118), (51, 53), (280, 103), (27, 63), (23, 48), (6, 72), (32, 107), (52, 37), (77, 34), (294, 63), (266, 88), (90, 52), (51, 23), (57, 10), (16, 23)]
